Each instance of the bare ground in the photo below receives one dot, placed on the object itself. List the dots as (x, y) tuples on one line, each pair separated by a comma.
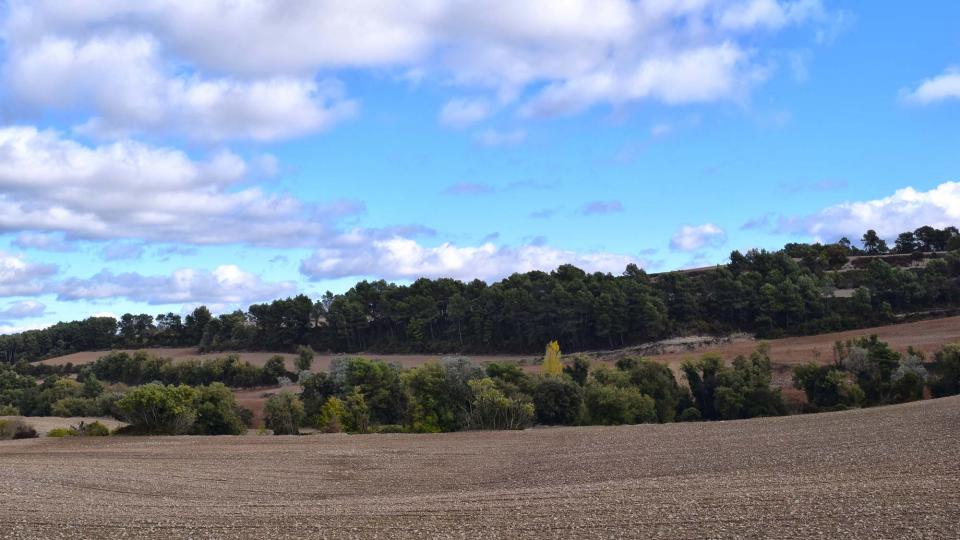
[(44, 424), (888, 472)]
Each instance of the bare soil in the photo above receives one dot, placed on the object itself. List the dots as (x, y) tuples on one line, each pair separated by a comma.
[(320, 361), (887, 472), (44, 424)]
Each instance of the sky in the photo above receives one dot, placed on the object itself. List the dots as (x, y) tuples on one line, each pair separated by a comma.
[(157, 154)]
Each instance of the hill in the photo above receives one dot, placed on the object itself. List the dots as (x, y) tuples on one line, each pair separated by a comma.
[(885, 472)]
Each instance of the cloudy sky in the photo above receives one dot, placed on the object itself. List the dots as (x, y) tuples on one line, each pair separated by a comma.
[(157, 154)]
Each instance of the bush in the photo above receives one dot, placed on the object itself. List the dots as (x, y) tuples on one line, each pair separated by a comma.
[(217, 412), (826, 386), (75, 406), (93, 429), (16, 429), (284, 414), (438, 395), (946, 368), (304, 358), (690, 414), (357, 415), (607, 404), (657, 381), (557, 400), (330, 418), (158, 409), (490, 408), (9, 410)]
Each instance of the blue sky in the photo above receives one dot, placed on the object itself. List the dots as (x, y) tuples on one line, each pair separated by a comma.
[(155, 155)]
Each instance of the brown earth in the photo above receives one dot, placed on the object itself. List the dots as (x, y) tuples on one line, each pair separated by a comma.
[(886, 472), (320, 361), (928, 336), (44, 424)]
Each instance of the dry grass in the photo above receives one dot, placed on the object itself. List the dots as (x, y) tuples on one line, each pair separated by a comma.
[(888, 472), (43, 424)]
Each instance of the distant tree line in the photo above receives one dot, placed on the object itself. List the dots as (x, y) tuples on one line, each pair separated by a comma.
[(770, 294)]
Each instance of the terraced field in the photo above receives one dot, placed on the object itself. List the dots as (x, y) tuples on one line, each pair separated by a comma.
[(888, 472)]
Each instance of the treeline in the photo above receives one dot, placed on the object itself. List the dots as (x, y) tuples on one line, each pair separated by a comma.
[(788, 292)]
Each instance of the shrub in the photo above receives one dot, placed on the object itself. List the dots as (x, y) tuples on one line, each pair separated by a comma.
[(93, 429), (690, 414), (607, 404), (75, 406), (284, 414), (9, 410), (557, 400), (304, 360), (826, 386), (16, 429), (155, 408), (490, 408), (946, 368), (380, 384), (438, 395), (578, 369), (657, 381), (330, 419), (357, 415), (217, 412), (61, 432)]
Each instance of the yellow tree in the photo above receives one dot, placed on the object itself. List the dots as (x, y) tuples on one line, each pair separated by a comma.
[(551, 360)]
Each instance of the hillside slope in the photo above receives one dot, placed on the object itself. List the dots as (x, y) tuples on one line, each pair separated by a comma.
[(887, 472)]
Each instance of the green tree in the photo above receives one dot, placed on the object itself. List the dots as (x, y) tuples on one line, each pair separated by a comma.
[(283, 413), (158, 409), (305, 356)]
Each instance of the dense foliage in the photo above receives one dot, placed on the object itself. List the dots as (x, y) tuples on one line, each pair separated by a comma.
[(771, 294)]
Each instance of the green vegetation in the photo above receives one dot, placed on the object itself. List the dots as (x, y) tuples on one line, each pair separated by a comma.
[(787, 292), (284, 414), (16, 429)]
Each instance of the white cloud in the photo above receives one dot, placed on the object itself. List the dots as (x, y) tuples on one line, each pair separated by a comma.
[(19, 277), (226, 284), (119, 251), (397, 257), (493, 138), (123, 79), (936, 89), (695, 237), (461, 113), (23, 309), (247, 69), (905, 210), (131, 190)]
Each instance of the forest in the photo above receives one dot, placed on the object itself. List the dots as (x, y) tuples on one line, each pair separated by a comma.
[(793, 291)]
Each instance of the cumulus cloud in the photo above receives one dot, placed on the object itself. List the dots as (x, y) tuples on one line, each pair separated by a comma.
[(123, 79), (936, 89), (20, 277), (22, 310), (226, 284), (52, 184), (247, 69), (602, 207), (695, 237), (396, 257), (905, 210)]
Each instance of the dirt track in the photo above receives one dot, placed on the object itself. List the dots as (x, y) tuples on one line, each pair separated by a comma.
[(878, 473)]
